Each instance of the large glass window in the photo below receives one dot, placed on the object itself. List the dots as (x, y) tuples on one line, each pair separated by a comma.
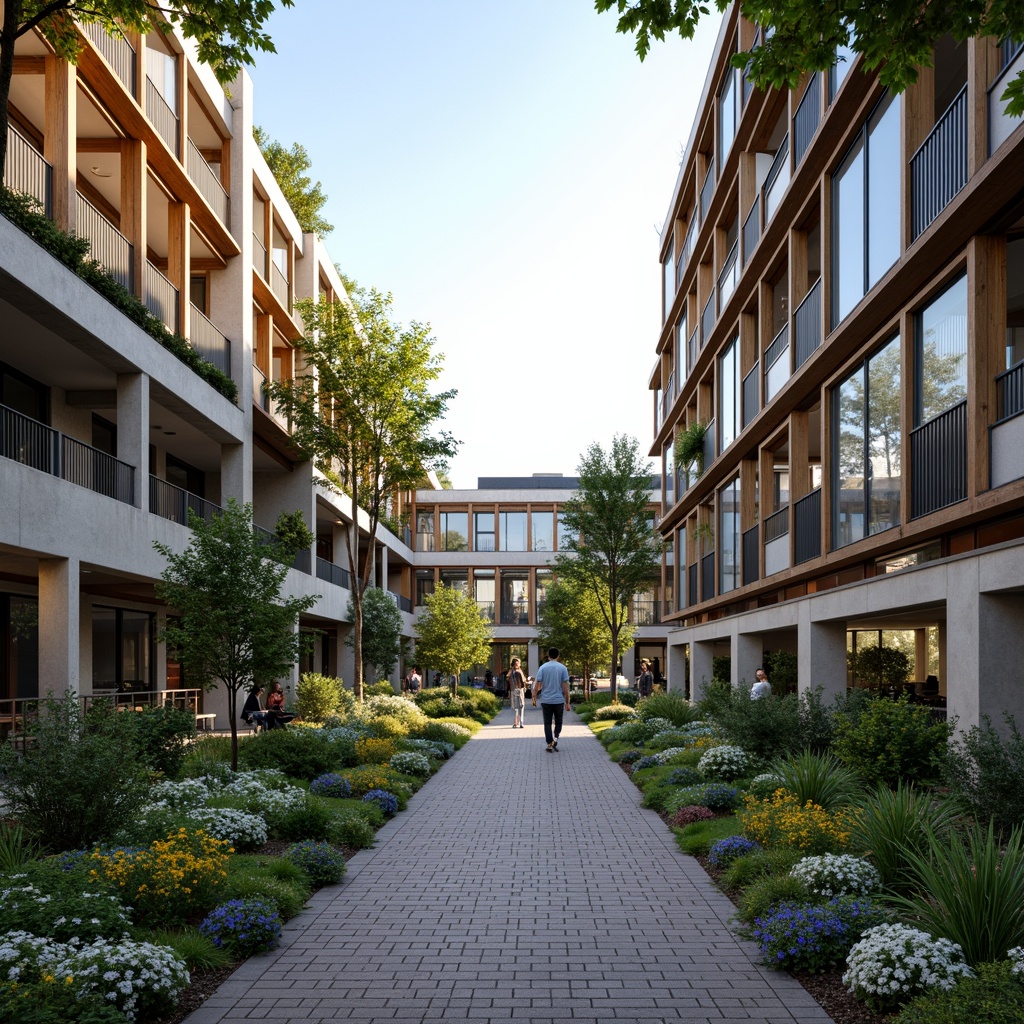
[(19, 646), (424, 531), (544, 580), (512, 531), (867, 448), (668, 477), (729, 384), (456, 579), (515, 598), (729, 537), (454, 531), (542, 527), (122, 650), (483, 592), (728, 101), (866, 214), (942, 352), (565, 536), (669, 271), (424, 585), (483, 531)]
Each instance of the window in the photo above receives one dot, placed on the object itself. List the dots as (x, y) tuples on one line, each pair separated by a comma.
[(425, 531), (542, 527), (24, 395), (512, 531), (669, 270), (564, 535), (729, 537), (866, 210), (483, 592), (424, 585), (544, 580), (845, 57), (728, 114), (19, 646), (455, 579), (515, 599), (668, 477), (729, 385), (122, 650), (483, 531), (866, 453), (454, 531), (941, 355)]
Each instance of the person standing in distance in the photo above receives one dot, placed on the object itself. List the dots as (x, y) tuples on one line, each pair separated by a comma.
[(551, 687), (517, 694), (761, 687)]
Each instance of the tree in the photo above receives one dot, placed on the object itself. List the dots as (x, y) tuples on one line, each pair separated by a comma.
[(289, 168), (611, 550), (453, 634), (227, 33), (573, 622), (363, 411), (233, 627), (898, 39), (382, 631), (882, 666)]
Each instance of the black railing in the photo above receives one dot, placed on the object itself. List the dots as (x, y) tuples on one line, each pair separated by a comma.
[(164, 120), (807, 326), (751, 555), (938, 170), (646, 611), (1010, 393), (208, 341), (752, 230), (691, 585), (116, 50), (1008, 50), (707, 576), (806, 119), (107, 246), (26, 170), (332, 573), (709, 444), (729, 277), (752, 394), (776, 525), (691, 351), (40, 447), (707, 190), (171, 502), (707, 320), (777, 180), (938, 461), (776, 364), (807, 527), (259, 256)]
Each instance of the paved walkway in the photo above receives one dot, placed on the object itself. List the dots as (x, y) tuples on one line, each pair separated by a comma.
[(449, 918)]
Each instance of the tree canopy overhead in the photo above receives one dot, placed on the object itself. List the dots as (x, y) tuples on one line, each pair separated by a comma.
[(897, 38), (289, 168)]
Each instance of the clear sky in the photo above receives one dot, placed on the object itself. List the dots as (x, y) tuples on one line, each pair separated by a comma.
[(503, 169)]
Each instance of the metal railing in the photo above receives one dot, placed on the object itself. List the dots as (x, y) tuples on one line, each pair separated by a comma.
[(776, 181), (332, 573), (279, 285), (688, 244), (707, 320), (259, 256), (204, 178), (1000, 124), (752, 230), (26, 171), (107, 246), (938, 170), (776, 525), (776, 364), (117, 52), (707, 190), (752, 394), (171, 502), (669, 396), (1010, 393), (404, 603), (162, 298), (34, 444), (162, 117), (807, 527), (806, 119), (707, 576), (751, 555), (691, 351), (208, 341), (260, 395), (938, 461), (729, 277), (646, 611), (710, 449), (807, 326), (692, 597), (1008, 50)]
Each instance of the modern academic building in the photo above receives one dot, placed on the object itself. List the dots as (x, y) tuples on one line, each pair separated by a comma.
[(844, 331)]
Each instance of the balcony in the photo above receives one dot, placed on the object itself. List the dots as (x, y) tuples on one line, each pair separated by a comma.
[(806, 119), (691, 351), (692, 597), (204, 178), (938, 461), (751, 230), (331, 573), (161, 298), (938, 170), (807, 326), (107, 246), (170, 502), (746, 86), (776, 364), (303, 560), (260, 394), (34, 444), (163, 119), (1000, 124), (807, 527), (684, 257), (776, 541), (208, 341), (26, 171), (668, 397), (710, 449), (751, 394), (751, 555), (646, 611), (116, 51), (776, 181), (259, 257), (1007, 435), (729, 277), (707, 576), (707, 320), (279, 286), (707, 190)]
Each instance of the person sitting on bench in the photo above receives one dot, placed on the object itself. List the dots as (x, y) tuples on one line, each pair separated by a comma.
[(252, 713), (277, 717)]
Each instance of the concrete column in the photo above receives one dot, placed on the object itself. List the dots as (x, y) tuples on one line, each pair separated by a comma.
[(533, 658), (235, 473), (701, 654), (383, 584), (821, 655), (59, 626), (747, 653), (961, 677), (677, 679), (999, 620), (133, 430), (629, 664)]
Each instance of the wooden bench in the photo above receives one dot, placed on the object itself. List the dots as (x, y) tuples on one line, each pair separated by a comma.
[(206, 722)]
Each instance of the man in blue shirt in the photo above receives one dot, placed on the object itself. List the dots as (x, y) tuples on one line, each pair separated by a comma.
[(551, 687)]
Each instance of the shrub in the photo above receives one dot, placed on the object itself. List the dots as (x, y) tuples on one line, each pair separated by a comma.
[(444, 732), (67, 909), (386, 801), (892, 963), (287, 897), (374, 751), (725, 851), (812, 938), (322, 863), (725, 762), (684, 777), (366, 777), (50, 1001), (381, 688), (162, 734), (671, 706), (318, 697), (352, 830), (195, 951), (243, 927), (410, 763), (698, 838), (690, 814), (630, 756), (647, 761), (763, 785), (762, 896), (239, 829), (763, 728), (995, 996), (892, 740), (613, 712), (782, 819), (629, 697), (752, 867), (311, 819), (720, 798), (331, 784), (833, 875), (817, 778), (300, 753)]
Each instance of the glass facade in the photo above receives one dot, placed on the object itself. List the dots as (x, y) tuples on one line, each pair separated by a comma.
[(483, 592), (941, 355), (454, 531), (425, 540), (544, 580), (515, 598), (512, 531), (669, 268), (728, 114), (455, 579), (542, 530), (729, 389), (483, 531), (729, 577), (122, 650), (19, 646), (424, 585), (564, 536)]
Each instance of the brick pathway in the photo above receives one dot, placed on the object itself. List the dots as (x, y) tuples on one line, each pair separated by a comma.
[(447, 920)]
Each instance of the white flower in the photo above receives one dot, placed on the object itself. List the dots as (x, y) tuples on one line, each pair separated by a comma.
[(725, 762), (834, 875)]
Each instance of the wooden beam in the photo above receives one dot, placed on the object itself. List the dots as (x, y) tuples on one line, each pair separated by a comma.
[(99, 145), (32, 64), (134, 182), (59, 133)]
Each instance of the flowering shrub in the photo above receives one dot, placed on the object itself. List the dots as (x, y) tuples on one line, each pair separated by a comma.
[(669, 754), (242, 830), (832, 875), (782, 821), (688, 815), (611, 712), (762, 786), (62, 915), (386, 801), (684, 777), (410, 763), (725, 762), (647, 761), (798, 937), (170, 881), (331, 784), (322, 862), (669, 738), (432, 748), (350, 829), (243, 927), (22, 955), (371, 750), (367, 777), (892, 963), (183, 795), (393, 706), (717, 797), (725, 851), (630, 756), (1016, 957)]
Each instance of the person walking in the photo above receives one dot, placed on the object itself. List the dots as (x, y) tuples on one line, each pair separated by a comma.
[(517, 694), (551, 688), (761, 687), (413, 681)]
